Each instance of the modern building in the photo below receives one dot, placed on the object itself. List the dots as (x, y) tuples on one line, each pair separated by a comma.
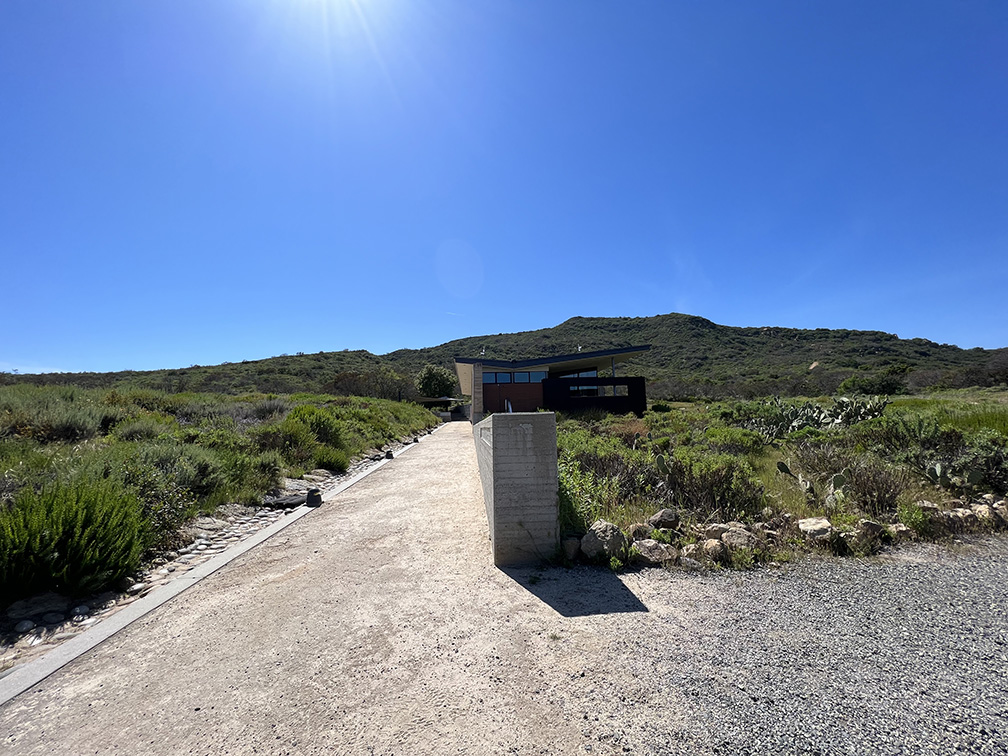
[(564, 382)]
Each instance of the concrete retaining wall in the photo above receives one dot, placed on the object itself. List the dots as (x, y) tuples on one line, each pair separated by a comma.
[(517, 454)]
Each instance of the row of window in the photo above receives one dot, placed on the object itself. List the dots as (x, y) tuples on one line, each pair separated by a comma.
[(535, 376)]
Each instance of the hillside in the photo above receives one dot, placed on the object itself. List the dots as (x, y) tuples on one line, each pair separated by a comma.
[(690, 356)]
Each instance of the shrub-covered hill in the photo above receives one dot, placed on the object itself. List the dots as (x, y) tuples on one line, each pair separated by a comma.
[(689, 356)]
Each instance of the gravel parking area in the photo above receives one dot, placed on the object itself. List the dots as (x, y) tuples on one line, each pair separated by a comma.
[(378, 625), (903, 654)]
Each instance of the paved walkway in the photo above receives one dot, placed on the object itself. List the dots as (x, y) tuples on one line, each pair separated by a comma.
[(376, 624)]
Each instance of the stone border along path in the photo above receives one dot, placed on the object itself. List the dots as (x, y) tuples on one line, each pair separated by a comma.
[(43, 649)]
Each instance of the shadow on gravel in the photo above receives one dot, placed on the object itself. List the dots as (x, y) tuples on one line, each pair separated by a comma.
[(577, 592)]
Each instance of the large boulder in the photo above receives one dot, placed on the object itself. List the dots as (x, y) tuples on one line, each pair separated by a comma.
[(665, 518), (603, 539), (655, 553)]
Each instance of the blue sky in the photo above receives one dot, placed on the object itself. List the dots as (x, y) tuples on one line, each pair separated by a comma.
[(199, 181)]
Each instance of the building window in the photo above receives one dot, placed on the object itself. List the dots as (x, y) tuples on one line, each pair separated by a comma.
[(489, 377), (537, 376), (503, 377), (521, 377)]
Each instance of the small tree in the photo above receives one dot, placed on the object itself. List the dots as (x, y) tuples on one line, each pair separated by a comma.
[(434, 381)]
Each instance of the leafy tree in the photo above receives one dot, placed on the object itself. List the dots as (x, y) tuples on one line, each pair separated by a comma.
[(434, 380)]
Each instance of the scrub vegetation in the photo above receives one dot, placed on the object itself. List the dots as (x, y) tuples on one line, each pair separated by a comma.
[(843, 458), (690, 358), (92, 480)]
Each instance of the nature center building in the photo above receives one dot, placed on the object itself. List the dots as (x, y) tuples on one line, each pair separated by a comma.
[(564, 382)]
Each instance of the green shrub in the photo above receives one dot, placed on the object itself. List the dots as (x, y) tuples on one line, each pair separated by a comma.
[(734, 440), (712, 486), (875, 486), (165, 504), (328, 458), (69, 538), (271, 408), (323, 424), (145, 427), (195, 468), (291, 437), (914, 518)]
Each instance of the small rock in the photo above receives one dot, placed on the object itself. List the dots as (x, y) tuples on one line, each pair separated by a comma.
[(691, 551), (871, 529), (655, 553), (714, 549), (690, 564), (900, 532), (984, 513), (81, 609), (715, 530), (603, 538), (738, 538), (571, 547), (24, 626), (639, 531), (814, 527), (665, 518), (52, 618), (135, 588)]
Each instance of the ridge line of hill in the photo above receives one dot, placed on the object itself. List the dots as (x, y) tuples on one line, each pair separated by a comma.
[(690, 356)]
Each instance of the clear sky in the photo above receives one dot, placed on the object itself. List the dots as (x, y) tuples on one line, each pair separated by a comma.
[(200, 181)]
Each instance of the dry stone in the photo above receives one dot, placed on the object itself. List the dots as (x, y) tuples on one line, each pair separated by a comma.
[(639, 531), (603, 538), (738, 538), (714, 549), (655, 553), (571, 547), (815, 527), (715, 530), (665, 518)]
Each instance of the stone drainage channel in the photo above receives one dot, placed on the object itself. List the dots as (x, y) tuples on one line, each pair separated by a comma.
[(39, 625)]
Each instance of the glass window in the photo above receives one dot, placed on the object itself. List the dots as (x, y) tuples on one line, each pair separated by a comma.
[(521, 377), (503, 377), (489, 377), (537, 376)]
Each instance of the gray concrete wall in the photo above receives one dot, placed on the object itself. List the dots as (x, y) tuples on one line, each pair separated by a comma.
[(517, 455)]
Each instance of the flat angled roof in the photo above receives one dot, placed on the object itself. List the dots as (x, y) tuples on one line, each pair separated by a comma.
[(566, 362)]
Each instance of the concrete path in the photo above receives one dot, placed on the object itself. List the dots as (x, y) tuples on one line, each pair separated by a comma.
[(376, 624)]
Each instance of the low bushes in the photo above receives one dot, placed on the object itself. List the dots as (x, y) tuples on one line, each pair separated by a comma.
[(147, 461), (70, 538)]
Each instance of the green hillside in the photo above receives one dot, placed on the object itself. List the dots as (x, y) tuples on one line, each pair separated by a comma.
[(689, 356)]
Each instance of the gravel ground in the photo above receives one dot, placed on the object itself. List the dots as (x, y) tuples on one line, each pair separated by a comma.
[(378, 625), (903, 654)]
